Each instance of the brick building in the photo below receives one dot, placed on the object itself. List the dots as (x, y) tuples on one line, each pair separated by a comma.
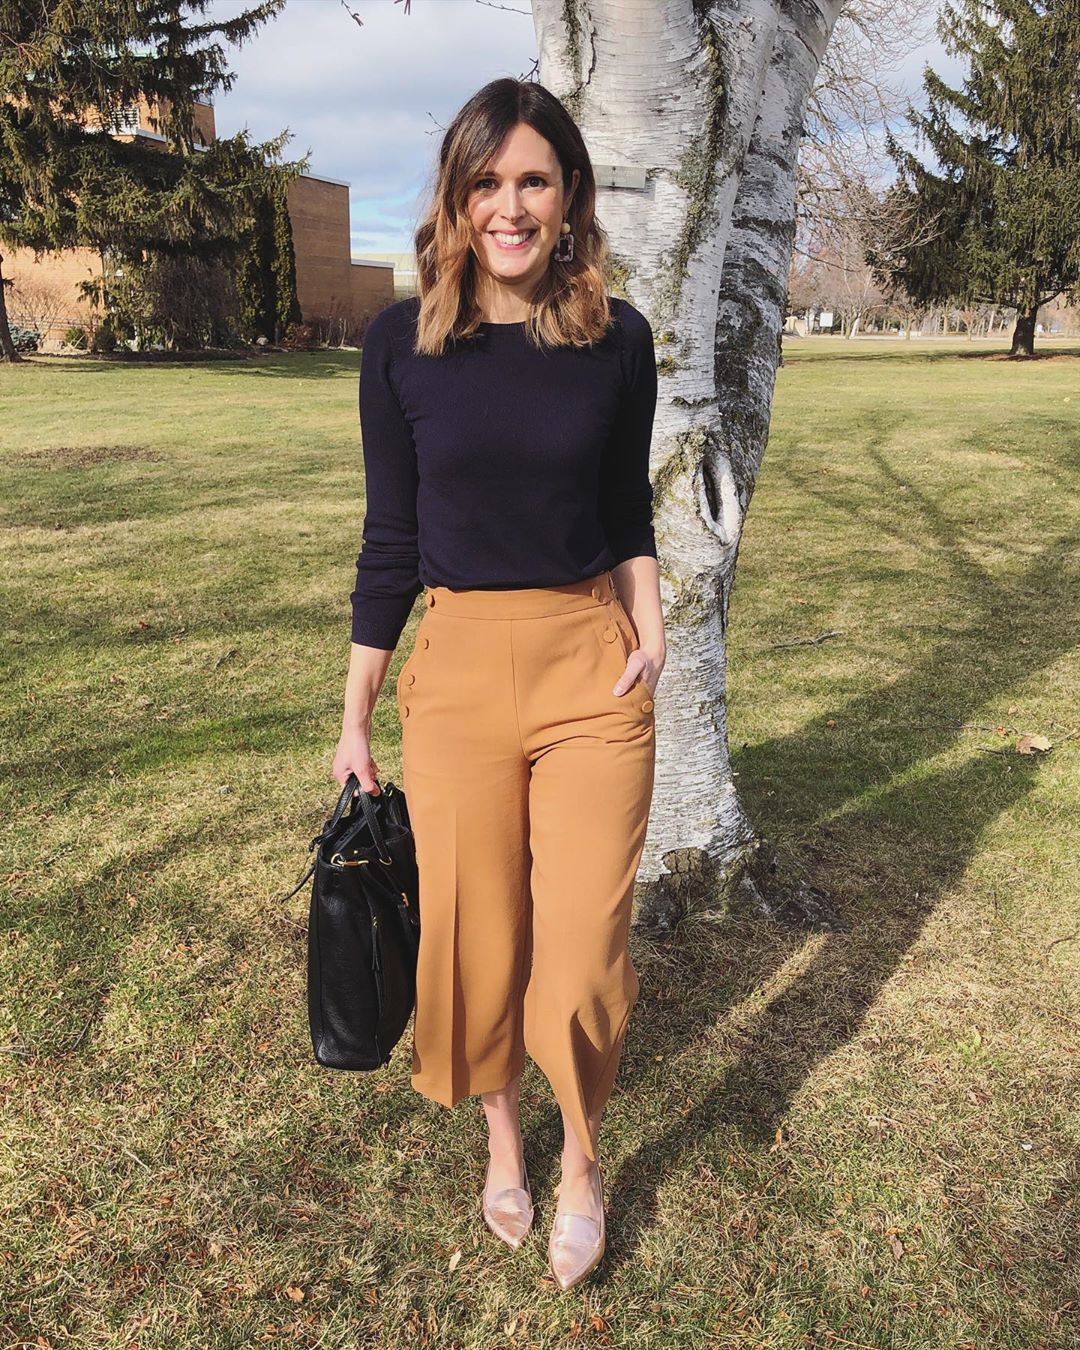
[(329, 283)]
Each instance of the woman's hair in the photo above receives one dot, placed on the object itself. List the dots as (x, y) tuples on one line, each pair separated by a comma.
[(570, 305)]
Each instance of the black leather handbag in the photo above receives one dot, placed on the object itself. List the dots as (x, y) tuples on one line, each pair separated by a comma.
[(363, 929)]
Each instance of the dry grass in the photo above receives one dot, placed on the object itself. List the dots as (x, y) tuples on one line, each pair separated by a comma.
[(868, 1140)]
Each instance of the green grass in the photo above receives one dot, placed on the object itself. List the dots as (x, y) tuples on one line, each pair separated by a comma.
[(864, 1140)]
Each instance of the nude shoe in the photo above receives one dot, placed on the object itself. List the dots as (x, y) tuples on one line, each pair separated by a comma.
[(577, 1243), (508, 1212)]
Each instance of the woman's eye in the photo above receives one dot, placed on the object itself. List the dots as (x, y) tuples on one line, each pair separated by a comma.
[(532, 178)]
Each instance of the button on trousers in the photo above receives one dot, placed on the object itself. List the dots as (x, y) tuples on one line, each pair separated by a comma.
[(529, 784)]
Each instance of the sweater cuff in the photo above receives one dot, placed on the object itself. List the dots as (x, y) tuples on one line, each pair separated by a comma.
[(378, 622)]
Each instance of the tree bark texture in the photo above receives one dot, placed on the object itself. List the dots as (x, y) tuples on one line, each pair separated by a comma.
[(710, 99), (7, 343), (1023, 338)]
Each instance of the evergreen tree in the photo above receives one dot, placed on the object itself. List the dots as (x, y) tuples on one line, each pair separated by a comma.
[(267, 273), (67, 68), (1000, 224)]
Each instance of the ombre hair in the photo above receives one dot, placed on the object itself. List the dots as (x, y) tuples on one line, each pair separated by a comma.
[(569, 305)]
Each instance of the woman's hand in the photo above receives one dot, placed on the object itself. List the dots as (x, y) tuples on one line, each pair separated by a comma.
[(643, 665), (354, 756), (637, 588)]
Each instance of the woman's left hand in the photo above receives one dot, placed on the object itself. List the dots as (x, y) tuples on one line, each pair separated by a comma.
[(642, 665)]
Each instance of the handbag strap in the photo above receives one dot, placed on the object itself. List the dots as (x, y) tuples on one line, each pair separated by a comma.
[(352, 783), (371, 820)]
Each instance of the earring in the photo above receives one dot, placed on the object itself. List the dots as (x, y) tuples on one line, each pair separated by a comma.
[(561, 253)]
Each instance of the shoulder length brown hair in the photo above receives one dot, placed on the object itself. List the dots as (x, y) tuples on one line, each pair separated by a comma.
[(570, 304)]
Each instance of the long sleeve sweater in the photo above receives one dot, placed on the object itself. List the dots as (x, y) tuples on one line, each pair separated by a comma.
[(499, 464)]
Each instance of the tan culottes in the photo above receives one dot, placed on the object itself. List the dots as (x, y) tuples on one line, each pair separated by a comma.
[(529, 784)]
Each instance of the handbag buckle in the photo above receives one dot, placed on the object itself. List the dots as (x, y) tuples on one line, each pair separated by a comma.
[(339, 860)]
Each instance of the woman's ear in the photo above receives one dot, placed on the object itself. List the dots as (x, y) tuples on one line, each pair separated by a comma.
[(574, 178)]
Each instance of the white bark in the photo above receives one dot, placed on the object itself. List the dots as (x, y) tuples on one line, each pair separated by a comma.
[(710, 99)]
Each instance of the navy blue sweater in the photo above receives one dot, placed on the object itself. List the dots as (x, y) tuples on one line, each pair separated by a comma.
[(499, 464)]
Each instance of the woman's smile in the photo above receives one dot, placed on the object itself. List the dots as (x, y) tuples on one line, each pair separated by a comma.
[(515, 242)]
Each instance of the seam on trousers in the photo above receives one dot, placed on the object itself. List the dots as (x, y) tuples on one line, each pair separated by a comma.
[(513, 683)]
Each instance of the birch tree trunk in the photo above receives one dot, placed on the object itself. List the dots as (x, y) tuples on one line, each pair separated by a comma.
[(710, 99)]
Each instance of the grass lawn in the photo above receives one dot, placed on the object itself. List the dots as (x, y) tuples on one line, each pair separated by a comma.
[(866, 1140)]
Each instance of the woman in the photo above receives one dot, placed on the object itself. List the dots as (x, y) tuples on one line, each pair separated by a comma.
[(506, 415)]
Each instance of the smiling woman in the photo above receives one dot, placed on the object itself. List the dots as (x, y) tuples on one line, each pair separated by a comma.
[(517, 209), (506, 415), (515, 194)]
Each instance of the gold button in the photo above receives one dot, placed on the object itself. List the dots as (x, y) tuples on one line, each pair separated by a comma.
[(610, 634), (411, 679), (648, 705), (405, 710), (430, 599), (423, 642), (596, 592)]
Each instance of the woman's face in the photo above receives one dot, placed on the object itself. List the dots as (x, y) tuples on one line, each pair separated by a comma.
[(519, 193)]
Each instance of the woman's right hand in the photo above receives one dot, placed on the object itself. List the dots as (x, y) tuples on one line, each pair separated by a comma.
[(354, 756)]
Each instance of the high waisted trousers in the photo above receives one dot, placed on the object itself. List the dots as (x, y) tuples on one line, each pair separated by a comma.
[(529, 784)]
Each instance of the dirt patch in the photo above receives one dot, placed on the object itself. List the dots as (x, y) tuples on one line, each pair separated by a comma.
[(80, 456), (1051, 358), (123, 356)]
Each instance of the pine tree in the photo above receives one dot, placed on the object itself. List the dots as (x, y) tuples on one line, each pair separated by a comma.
[(67, 67), (1003, 215)]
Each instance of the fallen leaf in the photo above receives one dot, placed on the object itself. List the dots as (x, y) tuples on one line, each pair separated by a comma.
[(455, 1261), (1027, 745), (294, 1292)]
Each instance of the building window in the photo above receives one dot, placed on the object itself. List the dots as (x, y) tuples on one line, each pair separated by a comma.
[(125, 120)]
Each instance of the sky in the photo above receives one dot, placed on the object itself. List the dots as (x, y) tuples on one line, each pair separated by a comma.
[(370, 99)]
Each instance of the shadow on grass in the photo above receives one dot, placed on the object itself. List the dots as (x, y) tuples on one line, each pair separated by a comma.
[(152, 751), (91, 927), (74, 496), (927, 827)]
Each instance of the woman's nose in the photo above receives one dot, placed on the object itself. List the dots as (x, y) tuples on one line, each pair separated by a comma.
[(510, 204)]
